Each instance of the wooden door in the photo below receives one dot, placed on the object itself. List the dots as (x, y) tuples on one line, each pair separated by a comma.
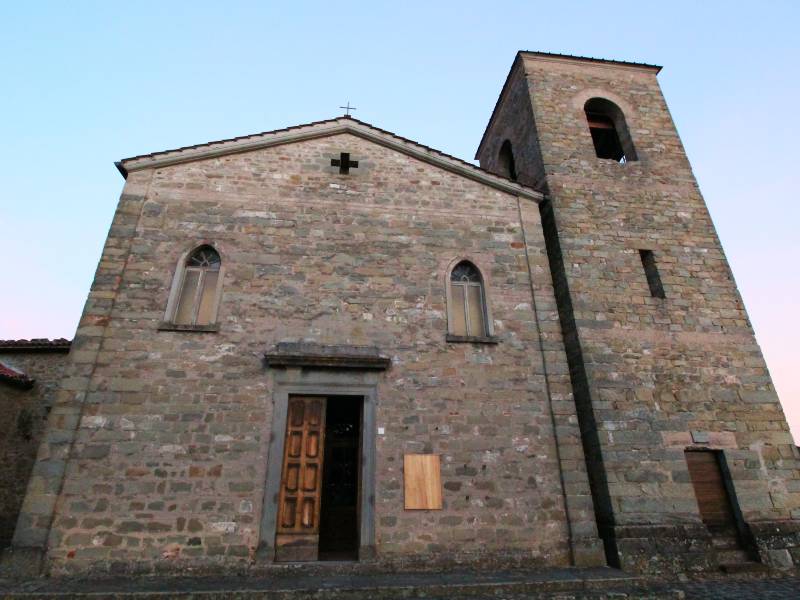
[(709, 488), (297, 536)]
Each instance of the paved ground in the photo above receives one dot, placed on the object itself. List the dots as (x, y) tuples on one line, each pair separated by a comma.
[(772, 589), (562, 584), (305, 579)]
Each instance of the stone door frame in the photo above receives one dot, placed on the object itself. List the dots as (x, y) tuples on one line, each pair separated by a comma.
[(320, 382)]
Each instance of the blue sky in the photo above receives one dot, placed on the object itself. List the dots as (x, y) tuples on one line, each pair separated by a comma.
[(88, 83)]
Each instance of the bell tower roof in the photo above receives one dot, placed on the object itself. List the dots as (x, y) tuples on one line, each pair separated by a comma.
[(564, 58), (583, 59)]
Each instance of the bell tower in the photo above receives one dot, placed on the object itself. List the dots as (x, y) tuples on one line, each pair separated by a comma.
[(663, 360)]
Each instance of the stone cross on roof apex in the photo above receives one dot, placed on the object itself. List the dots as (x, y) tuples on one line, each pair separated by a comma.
[(348, 108)]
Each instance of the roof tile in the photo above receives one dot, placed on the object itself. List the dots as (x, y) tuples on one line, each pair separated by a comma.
[(123, 169), (35, 345), (14, 377)]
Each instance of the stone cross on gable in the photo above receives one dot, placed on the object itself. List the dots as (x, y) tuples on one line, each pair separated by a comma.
[(344, 163), (348, 108)]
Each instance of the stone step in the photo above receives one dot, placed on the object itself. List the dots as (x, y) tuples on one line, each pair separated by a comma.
[(744, 568), (733, 556), (726, 542), (573, 583)]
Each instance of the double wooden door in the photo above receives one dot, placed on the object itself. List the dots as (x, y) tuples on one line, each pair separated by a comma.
[(300, 498), (318, 503)]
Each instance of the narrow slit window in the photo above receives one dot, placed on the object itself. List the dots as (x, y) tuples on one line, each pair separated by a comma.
[(651, 272), (198, 292), (468, 304), (507, 165)]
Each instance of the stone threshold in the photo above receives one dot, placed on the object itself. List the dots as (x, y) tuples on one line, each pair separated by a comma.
[(294, 584)]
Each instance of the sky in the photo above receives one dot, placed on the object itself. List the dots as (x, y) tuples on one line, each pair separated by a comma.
[(85, 84)]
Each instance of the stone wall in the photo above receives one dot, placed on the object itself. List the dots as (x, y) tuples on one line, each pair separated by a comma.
[(23, 414), (647, 372), (170, 450)]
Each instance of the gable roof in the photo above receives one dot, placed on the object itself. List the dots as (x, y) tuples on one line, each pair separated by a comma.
[(14, 377), (607, 61), (318, 129)]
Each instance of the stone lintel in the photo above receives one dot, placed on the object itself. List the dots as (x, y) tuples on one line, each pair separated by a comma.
[(307, 354)]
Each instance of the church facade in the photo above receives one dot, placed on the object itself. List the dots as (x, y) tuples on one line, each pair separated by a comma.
[(329, 342)]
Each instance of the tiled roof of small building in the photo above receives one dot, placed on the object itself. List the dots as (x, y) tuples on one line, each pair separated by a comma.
[(35, 345), (14, 377)]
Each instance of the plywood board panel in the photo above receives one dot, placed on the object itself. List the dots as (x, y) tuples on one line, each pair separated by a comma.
[(423, 482)]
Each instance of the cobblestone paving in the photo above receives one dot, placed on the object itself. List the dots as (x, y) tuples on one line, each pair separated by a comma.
[(771, 589), (778, 588)]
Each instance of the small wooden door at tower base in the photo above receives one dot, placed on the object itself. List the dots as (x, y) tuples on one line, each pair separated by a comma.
[(709, 488), (297, 537)]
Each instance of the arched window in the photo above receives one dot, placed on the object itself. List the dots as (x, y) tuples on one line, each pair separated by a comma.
[(506, 159), (609, 131), (467, 301), (196, 302)]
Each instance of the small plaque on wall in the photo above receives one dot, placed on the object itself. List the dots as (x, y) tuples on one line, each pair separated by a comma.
[(423, 482)]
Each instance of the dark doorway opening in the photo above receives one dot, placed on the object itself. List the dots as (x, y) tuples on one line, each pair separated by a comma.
[(339, 518)]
